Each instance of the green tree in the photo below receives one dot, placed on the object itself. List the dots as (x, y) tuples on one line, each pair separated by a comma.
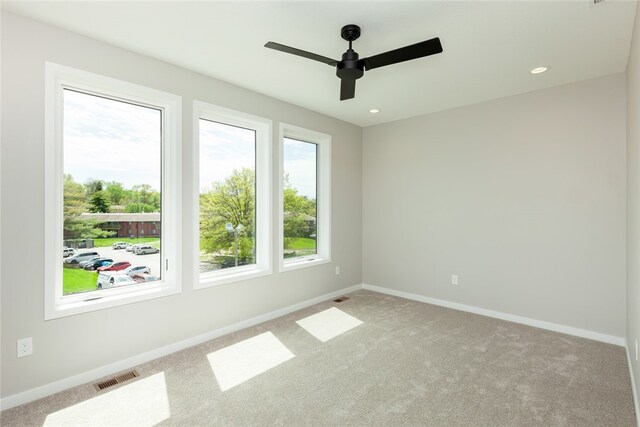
[(115, 192), (74, 204), (92, 186), (99, 202), (139, 207), (231, 200), (297, 212), (144, 194)]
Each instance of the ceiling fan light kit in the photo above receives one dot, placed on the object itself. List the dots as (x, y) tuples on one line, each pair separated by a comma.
[(351, 67)]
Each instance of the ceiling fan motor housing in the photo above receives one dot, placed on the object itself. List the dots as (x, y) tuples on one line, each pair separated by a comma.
[(350, 67)]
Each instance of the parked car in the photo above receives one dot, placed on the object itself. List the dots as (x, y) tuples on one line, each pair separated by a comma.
[(137, 269), (84, 256), (100, 262), (145, 277), (116, 266), (109, 279), (144, 250), (87, 261), (67, 252), (132, 248), (120, 245)]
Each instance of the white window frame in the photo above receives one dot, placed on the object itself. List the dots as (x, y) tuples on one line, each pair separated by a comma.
[(323, 198), (264, 205), (58, 78)]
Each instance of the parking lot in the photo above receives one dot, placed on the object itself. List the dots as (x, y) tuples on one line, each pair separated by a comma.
[(152, 260)]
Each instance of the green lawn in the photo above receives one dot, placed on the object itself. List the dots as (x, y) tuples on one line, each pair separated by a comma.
[(298, 243), (101, 243), (78, 280)]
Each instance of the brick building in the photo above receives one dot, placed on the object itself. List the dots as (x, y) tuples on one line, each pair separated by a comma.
[(128, 224)]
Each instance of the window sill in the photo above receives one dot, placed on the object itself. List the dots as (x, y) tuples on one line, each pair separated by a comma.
[(297, 264), (99, 300), (208, 280)]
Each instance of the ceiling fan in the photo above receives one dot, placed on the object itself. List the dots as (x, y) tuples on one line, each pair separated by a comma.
[(351, 68)]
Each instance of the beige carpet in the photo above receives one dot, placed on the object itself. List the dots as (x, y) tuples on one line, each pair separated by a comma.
[(384, 361)]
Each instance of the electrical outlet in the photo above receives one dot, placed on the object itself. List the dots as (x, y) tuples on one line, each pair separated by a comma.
[(25, 347), (337, 270), (454, 279)]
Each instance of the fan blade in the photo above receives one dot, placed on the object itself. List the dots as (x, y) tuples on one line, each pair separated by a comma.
[(418, 50), (347, 89), (303, 53)]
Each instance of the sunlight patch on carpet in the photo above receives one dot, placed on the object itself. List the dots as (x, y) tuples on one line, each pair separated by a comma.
[(329, 323), (240, 362), (141, 403)]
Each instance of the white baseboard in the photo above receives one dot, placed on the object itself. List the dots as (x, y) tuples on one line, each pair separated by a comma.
[(94, 374), (597, 336), (634, 390)]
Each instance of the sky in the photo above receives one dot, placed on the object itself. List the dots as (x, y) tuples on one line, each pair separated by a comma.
[(223, 149), (300, 166), (116, 141), (111, 140)]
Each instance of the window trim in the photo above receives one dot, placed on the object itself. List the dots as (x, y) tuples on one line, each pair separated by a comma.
[(323, 198), (264, 205), (57, 78)]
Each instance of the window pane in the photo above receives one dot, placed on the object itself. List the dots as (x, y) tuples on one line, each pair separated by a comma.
[(112, 193), (227, 196), (299, 198)]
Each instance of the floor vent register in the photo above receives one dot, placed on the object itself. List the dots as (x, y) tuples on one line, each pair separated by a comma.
[(116, 380)]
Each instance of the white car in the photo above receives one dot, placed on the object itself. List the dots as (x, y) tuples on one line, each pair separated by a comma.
[(109, 279), (68, 252), (137, 269), (132, 248), (120, 245), (84, 256), (144, 277), (144, 250)]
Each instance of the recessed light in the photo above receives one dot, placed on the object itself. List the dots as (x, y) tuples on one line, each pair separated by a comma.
[(539, 70), (374, 110)]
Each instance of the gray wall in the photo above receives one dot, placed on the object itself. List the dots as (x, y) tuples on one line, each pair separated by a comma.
[(633, 201), (76, 344), (522, 197)]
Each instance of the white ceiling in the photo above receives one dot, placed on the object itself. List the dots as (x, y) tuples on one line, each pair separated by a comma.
[(489, 47)]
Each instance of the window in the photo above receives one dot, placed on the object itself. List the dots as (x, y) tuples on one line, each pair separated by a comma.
[(305, 198), (233, 222), (300, 163), (112, 151)]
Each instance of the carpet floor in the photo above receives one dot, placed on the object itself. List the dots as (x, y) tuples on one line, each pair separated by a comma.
[(372, 360)]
